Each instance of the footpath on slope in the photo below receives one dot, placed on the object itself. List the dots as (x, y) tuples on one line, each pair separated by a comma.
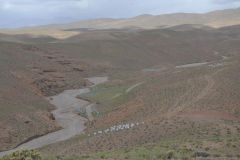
[(176, 109)]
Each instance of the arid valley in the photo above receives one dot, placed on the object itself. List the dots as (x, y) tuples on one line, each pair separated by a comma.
[(148, 87)]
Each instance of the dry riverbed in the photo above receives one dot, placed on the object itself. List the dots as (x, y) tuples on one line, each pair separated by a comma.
[(72, 124)]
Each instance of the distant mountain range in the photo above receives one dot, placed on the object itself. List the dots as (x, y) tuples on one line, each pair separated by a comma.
[(214, 19), (177, 21)]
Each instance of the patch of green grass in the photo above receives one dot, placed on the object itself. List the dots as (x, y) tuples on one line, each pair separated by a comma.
[(106, 97)]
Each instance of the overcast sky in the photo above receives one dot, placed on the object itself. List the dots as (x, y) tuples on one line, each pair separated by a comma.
[(18, 13)]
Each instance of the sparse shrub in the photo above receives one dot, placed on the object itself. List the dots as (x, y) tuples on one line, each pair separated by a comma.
[(71, 157), (159, 156), (229, 156), (185, 153), (185, 157), (51, 157), (170, 154), (85, 156), (201, 154), (24, 154), (238, 129), (207, 149), (60, 157), (126, 150), (228, 144), (229, 131), (144, 155), (126, 157), (167, 155), (216, 155), (102, 156)]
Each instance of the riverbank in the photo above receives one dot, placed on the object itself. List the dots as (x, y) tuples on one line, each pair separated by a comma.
[(72, 124)]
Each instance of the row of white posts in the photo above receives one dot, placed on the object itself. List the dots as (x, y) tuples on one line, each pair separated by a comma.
[(117, 128)]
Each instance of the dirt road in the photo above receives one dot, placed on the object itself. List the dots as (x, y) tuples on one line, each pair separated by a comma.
[(72, 124), (134, 86)]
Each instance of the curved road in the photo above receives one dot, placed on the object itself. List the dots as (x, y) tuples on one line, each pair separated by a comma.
[(72, 124)]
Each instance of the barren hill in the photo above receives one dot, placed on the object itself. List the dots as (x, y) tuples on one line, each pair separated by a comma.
[(213, 19)]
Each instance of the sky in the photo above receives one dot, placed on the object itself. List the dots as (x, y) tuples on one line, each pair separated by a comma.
[(19, 13)]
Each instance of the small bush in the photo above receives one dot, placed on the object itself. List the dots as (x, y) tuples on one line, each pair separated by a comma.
[(102, 156), (144, 155), (216, 155), (23, 155), (229, 144), (229, 156), (207, 149), (201, 154), (167, 155), (170, 154), (85, 156), (234, 146), (159, 156)]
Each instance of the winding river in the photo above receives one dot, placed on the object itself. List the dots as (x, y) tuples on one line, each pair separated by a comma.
[(72, 124)]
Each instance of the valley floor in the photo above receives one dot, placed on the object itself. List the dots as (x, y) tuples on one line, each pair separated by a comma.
[(186, 111), (169, 94)]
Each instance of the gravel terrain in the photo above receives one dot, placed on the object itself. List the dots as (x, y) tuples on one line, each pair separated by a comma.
[(72, 124)]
